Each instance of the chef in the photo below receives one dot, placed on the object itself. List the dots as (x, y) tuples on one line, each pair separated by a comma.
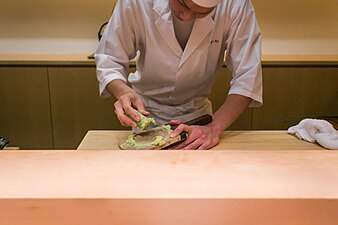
[(178, 46)]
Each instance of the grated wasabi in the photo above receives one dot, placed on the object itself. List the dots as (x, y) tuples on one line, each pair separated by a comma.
[(131, 140), (159, 141)]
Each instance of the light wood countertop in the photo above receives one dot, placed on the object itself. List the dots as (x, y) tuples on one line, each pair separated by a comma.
[(82, 59), (46, 60), (162, 174), (162, 187), (231, 140)]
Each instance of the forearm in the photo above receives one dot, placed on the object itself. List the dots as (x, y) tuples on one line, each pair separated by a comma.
[(231, 109), (118, 88)]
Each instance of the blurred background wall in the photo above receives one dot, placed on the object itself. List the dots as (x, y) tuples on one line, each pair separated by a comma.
[(70, 27)]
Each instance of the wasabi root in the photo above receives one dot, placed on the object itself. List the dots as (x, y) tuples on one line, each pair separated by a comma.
[(144, 122)]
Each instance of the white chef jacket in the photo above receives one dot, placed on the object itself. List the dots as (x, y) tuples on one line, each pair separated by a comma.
[(175, 83)]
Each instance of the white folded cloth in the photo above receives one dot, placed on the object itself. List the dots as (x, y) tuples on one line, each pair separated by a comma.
[(314, 130)]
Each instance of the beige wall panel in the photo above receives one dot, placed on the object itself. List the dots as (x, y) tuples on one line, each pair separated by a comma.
[(70, 27), (294, 93), (25, 108), (218, 95), (77, 107), (288, 26)]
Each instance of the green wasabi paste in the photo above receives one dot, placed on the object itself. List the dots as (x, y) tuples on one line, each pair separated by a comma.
[(159, 141), (167, 127), (131, 140)]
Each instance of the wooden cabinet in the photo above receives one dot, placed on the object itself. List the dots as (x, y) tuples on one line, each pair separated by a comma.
[(291, 93), (25, 116), (77, 107), (295, 93), (52, 105)]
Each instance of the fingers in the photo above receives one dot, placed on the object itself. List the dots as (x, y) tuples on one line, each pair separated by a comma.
[(199, 138), (179, 129), (139, 106), (194, 145), (125, 111), (175, 122), (120, 112), (191, 142)]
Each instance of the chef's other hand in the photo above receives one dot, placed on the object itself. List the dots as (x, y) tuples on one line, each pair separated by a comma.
[(199, 137), (126, 105), (175, 123)]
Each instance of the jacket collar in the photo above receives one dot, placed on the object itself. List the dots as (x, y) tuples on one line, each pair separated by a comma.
[(162, 7), (202, 29), (164, 24)]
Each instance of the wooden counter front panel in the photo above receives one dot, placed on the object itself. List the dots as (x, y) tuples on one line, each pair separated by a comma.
[(168, 187), (169, 212)]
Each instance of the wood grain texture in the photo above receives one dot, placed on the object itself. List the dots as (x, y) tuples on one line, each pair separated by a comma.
[(163, 187), (231, 140), (25, 118), (96, 174), (168, 211)]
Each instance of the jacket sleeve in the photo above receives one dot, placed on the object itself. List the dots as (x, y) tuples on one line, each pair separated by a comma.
[(117, 46), (243, 55)]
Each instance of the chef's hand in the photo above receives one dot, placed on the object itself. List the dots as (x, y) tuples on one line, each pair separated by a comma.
[(127, 101), (126, 105), (199, 137)]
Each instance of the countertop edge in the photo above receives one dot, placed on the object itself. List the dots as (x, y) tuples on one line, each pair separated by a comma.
[(87, 60)]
